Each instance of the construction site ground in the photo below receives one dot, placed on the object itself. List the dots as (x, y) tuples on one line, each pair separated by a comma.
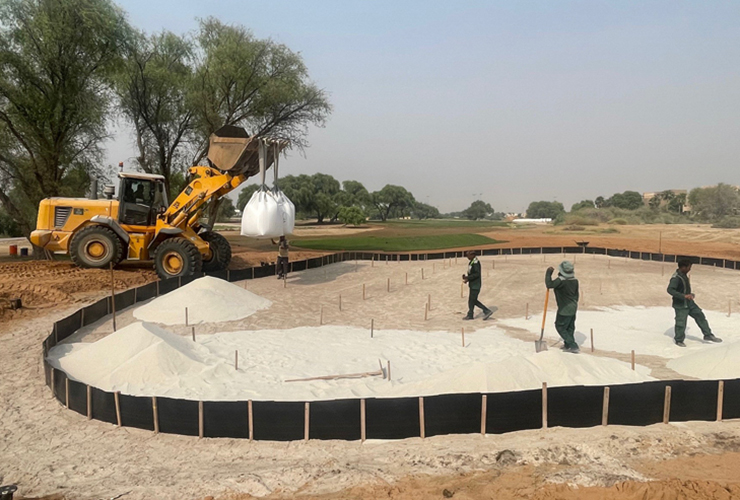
[(54, 453)]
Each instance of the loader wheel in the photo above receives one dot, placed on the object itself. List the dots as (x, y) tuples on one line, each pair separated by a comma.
[(96, 247), (177, 257), (220, 252)]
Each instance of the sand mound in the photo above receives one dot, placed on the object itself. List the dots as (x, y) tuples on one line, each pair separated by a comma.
[(528, 372), (714, 363), (141, 358), (208, 299)]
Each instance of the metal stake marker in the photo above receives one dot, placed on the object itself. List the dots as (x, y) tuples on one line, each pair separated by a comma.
[(192, 328)]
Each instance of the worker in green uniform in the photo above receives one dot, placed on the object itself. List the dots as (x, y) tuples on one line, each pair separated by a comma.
[(567, 295), (684, 306), (473, 279)]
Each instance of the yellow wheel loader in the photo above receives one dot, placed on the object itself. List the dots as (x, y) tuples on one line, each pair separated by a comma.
[(141, 225)]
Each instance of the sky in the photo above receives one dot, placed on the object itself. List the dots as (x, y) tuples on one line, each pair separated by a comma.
[(508, 101)]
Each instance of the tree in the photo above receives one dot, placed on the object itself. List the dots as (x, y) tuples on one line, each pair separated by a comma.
[(545, 209), (153, 88), (254, 83), (582, 204), (629, 200), (655, 202), (713, 203), (391, 199), (677, 203), (351, 215), (357, 194), (599, 202), (424, 211), (478, 210), (245, 195), (226, 210), (57, 59), (313, 194)]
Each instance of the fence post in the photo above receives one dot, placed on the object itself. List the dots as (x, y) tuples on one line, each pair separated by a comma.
[(605, 407), (544, 405), (720, 399), (422, 429), (483, 411), (667, 405)]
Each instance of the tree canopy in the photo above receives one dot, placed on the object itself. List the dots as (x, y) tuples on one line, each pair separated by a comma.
[(545, 209), (715, 202), (57, 62), (478, 210)]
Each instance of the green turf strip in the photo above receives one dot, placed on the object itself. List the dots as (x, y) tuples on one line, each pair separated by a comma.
[(397, 244)]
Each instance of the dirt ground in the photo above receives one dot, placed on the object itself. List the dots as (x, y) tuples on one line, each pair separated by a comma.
[(93, 460)]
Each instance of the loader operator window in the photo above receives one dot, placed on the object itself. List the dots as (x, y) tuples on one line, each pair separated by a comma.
[(142, 200)]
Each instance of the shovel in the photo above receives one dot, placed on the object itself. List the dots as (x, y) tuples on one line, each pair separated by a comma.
[(541, 345)]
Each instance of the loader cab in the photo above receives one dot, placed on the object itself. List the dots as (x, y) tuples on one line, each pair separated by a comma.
[(141, 198)]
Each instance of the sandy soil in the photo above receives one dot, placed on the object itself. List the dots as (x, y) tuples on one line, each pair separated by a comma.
[(93, 460)]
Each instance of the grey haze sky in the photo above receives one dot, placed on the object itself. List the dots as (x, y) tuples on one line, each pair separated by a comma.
[(508, 102)]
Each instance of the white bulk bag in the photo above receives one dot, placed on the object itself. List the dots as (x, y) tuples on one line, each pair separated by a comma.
[(287, 210), (262, 217), (285, 205)]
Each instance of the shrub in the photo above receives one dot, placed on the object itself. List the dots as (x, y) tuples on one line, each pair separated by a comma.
[(351, 215), (574, 228), (727, 223), (609, 230), (619, 221)]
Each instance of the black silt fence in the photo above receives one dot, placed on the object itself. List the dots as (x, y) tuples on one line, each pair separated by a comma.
[(95, 312), (67, 326), (136, 411), (731, 399), (579, 406), (146, 292), (278, 421), (637, 404), (77, 396), (452, 414), (125, 299), (178, 416), (693, 400), (396, 418), (226, 419), (513, 411), (103, 406), (339, 419)]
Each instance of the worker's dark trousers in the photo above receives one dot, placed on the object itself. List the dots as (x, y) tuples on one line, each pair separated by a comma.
[(566, 327), (282, 266), (473, 301), (682, 314)]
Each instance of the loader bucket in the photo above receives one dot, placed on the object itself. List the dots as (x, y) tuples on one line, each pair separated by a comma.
[(232, 150)]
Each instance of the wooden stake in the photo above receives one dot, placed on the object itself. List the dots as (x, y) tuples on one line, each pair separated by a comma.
[(306, 420), (321, 316), (363, 291), (429, 301), (372, 261), (363, 422), (89, 402), (483, 411), (117, 400), (592, 340), (388, 287), (667, 405), (426, 312), (113, 296), (389, 369), (340, 301), (526, 311), (66, 393), (720, 399), (186, 316), (155, 413), (462, 330), (192, 328), (372, 327), (407, 278), (250, 420), (633, 359), (544, 405), (236, 360), (422, 273), (200, 420), (422, 429), (605, 407)]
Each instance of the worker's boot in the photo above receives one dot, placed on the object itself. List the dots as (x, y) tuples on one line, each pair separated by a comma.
[(712, 338)]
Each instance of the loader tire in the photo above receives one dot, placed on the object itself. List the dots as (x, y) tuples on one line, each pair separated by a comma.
[(220, 252), (95, 247), (177, 257)]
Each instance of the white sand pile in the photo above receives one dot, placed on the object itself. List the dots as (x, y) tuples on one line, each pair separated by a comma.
[(528, 372), (208, 299), (647, 330), (721, 361), (134, 359), (143, 359)]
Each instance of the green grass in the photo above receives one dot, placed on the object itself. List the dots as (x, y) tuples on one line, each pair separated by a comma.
[(397, 243), (441, 223)]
